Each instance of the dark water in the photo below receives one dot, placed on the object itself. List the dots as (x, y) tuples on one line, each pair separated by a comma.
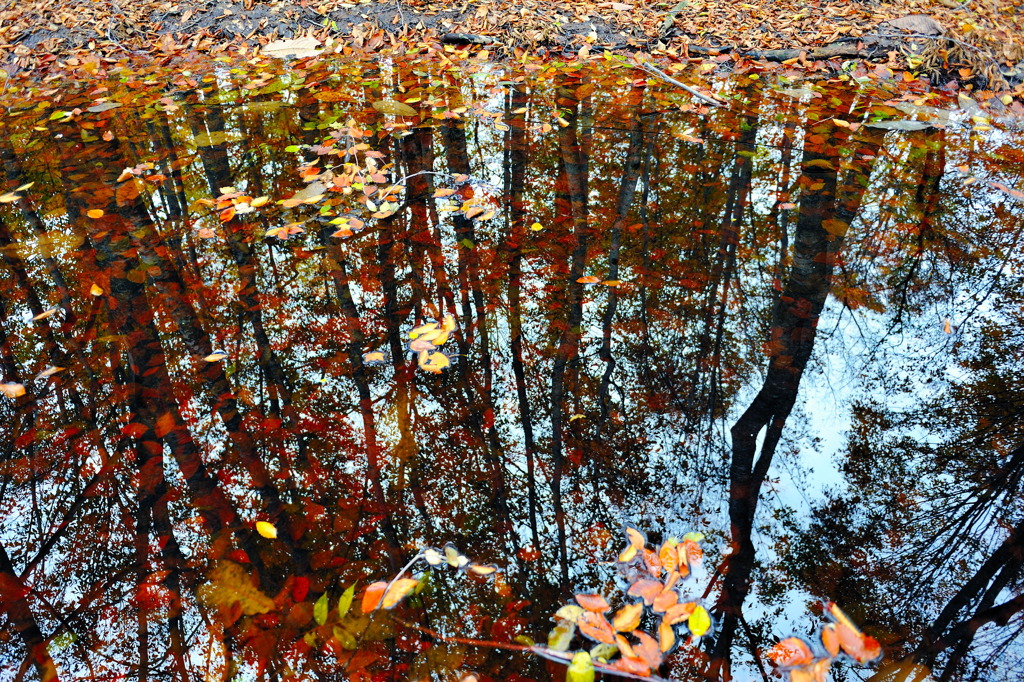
[(795, 333)]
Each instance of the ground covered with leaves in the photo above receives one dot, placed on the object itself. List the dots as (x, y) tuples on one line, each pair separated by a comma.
[(976, 43)]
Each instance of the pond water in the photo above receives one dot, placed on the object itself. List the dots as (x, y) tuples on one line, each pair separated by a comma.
[(792, 325)]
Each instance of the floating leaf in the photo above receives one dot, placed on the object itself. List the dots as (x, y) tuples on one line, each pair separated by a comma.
[(536, 227), (95, 290), (482, 569), (679, 612), (596, 626), (454, 558), (375, 357), (561, 635), (12, 390), (49, 372), (581, 669), (699, 622), (830, 639), (399, 591), (45, 314), (593, 602), (588, 279), (627, 618), (646, 588), (373, 596), (345, 638), (666, 636), (394, 108), (345, 600), (664, 601), (216, 357), (860, 647), (105, 106), (790, 652), (259, 201), (636, 541), (95, 213), (570, 612), (265, 529)]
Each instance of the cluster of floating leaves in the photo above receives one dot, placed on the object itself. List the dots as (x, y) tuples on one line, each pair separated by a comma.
[(388, 595), (621, 646), (808, 662), (424, 342)]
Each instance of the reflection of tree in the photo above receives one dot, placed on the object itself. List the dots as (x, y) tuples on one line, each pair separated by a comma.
[(827, 208)]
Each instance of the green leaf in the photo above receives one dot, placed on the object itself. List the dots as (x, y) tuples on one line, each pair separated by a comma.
[(345, 601), (320, 609), (293, 148), (468, 243)]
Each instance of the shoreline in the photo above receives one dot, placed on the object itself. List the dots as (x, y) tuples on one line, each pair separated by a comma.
[(952, 42)]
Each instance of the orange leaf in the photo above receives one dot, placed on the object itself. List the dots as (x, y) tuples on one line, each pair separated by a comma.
[(596, 627), (628, 617), (227, 214), (830, 639), (647, 649), (593, 602), (669, 556), (373, 596), (664, 601), (679, 612), (589, 279), (648, 589), (666, 636), (95, 213), (652, 562), (633, 666), (790, 652)]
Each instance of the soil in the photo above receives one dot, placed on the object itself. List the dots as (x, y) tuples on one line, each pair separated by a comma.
[(978, 40)]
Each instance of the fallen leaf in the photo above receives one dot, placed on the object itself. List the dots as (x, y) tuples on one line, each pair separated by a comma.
[(394, 108), (593, 602), (790, 652), (12, 390), (265, 529), (298, 48)]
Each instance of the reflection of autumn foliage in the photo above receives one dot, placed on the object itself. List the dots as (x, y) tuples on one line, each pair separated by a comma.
[(178, 382)]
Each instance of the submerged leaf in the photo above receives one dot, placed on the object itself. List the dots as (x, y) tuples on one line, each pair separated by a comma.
[(394, 108)]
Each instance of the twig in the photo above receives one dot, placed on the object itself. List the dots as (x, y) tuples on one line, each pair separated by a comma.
[(670, 18), (669, 79)]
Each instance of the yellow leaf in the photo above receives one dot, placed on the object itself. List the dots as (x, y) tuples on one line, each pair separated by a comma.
[(536, 227), (95, 213), (627, 618), (399, 591), (8, 198), (265, 529), (214, 357), (95, 290), (699, 622), (259, 201)]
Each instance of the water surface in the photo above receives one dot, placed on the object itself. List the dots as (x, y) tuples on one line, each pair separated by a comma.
[(774, 323)]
